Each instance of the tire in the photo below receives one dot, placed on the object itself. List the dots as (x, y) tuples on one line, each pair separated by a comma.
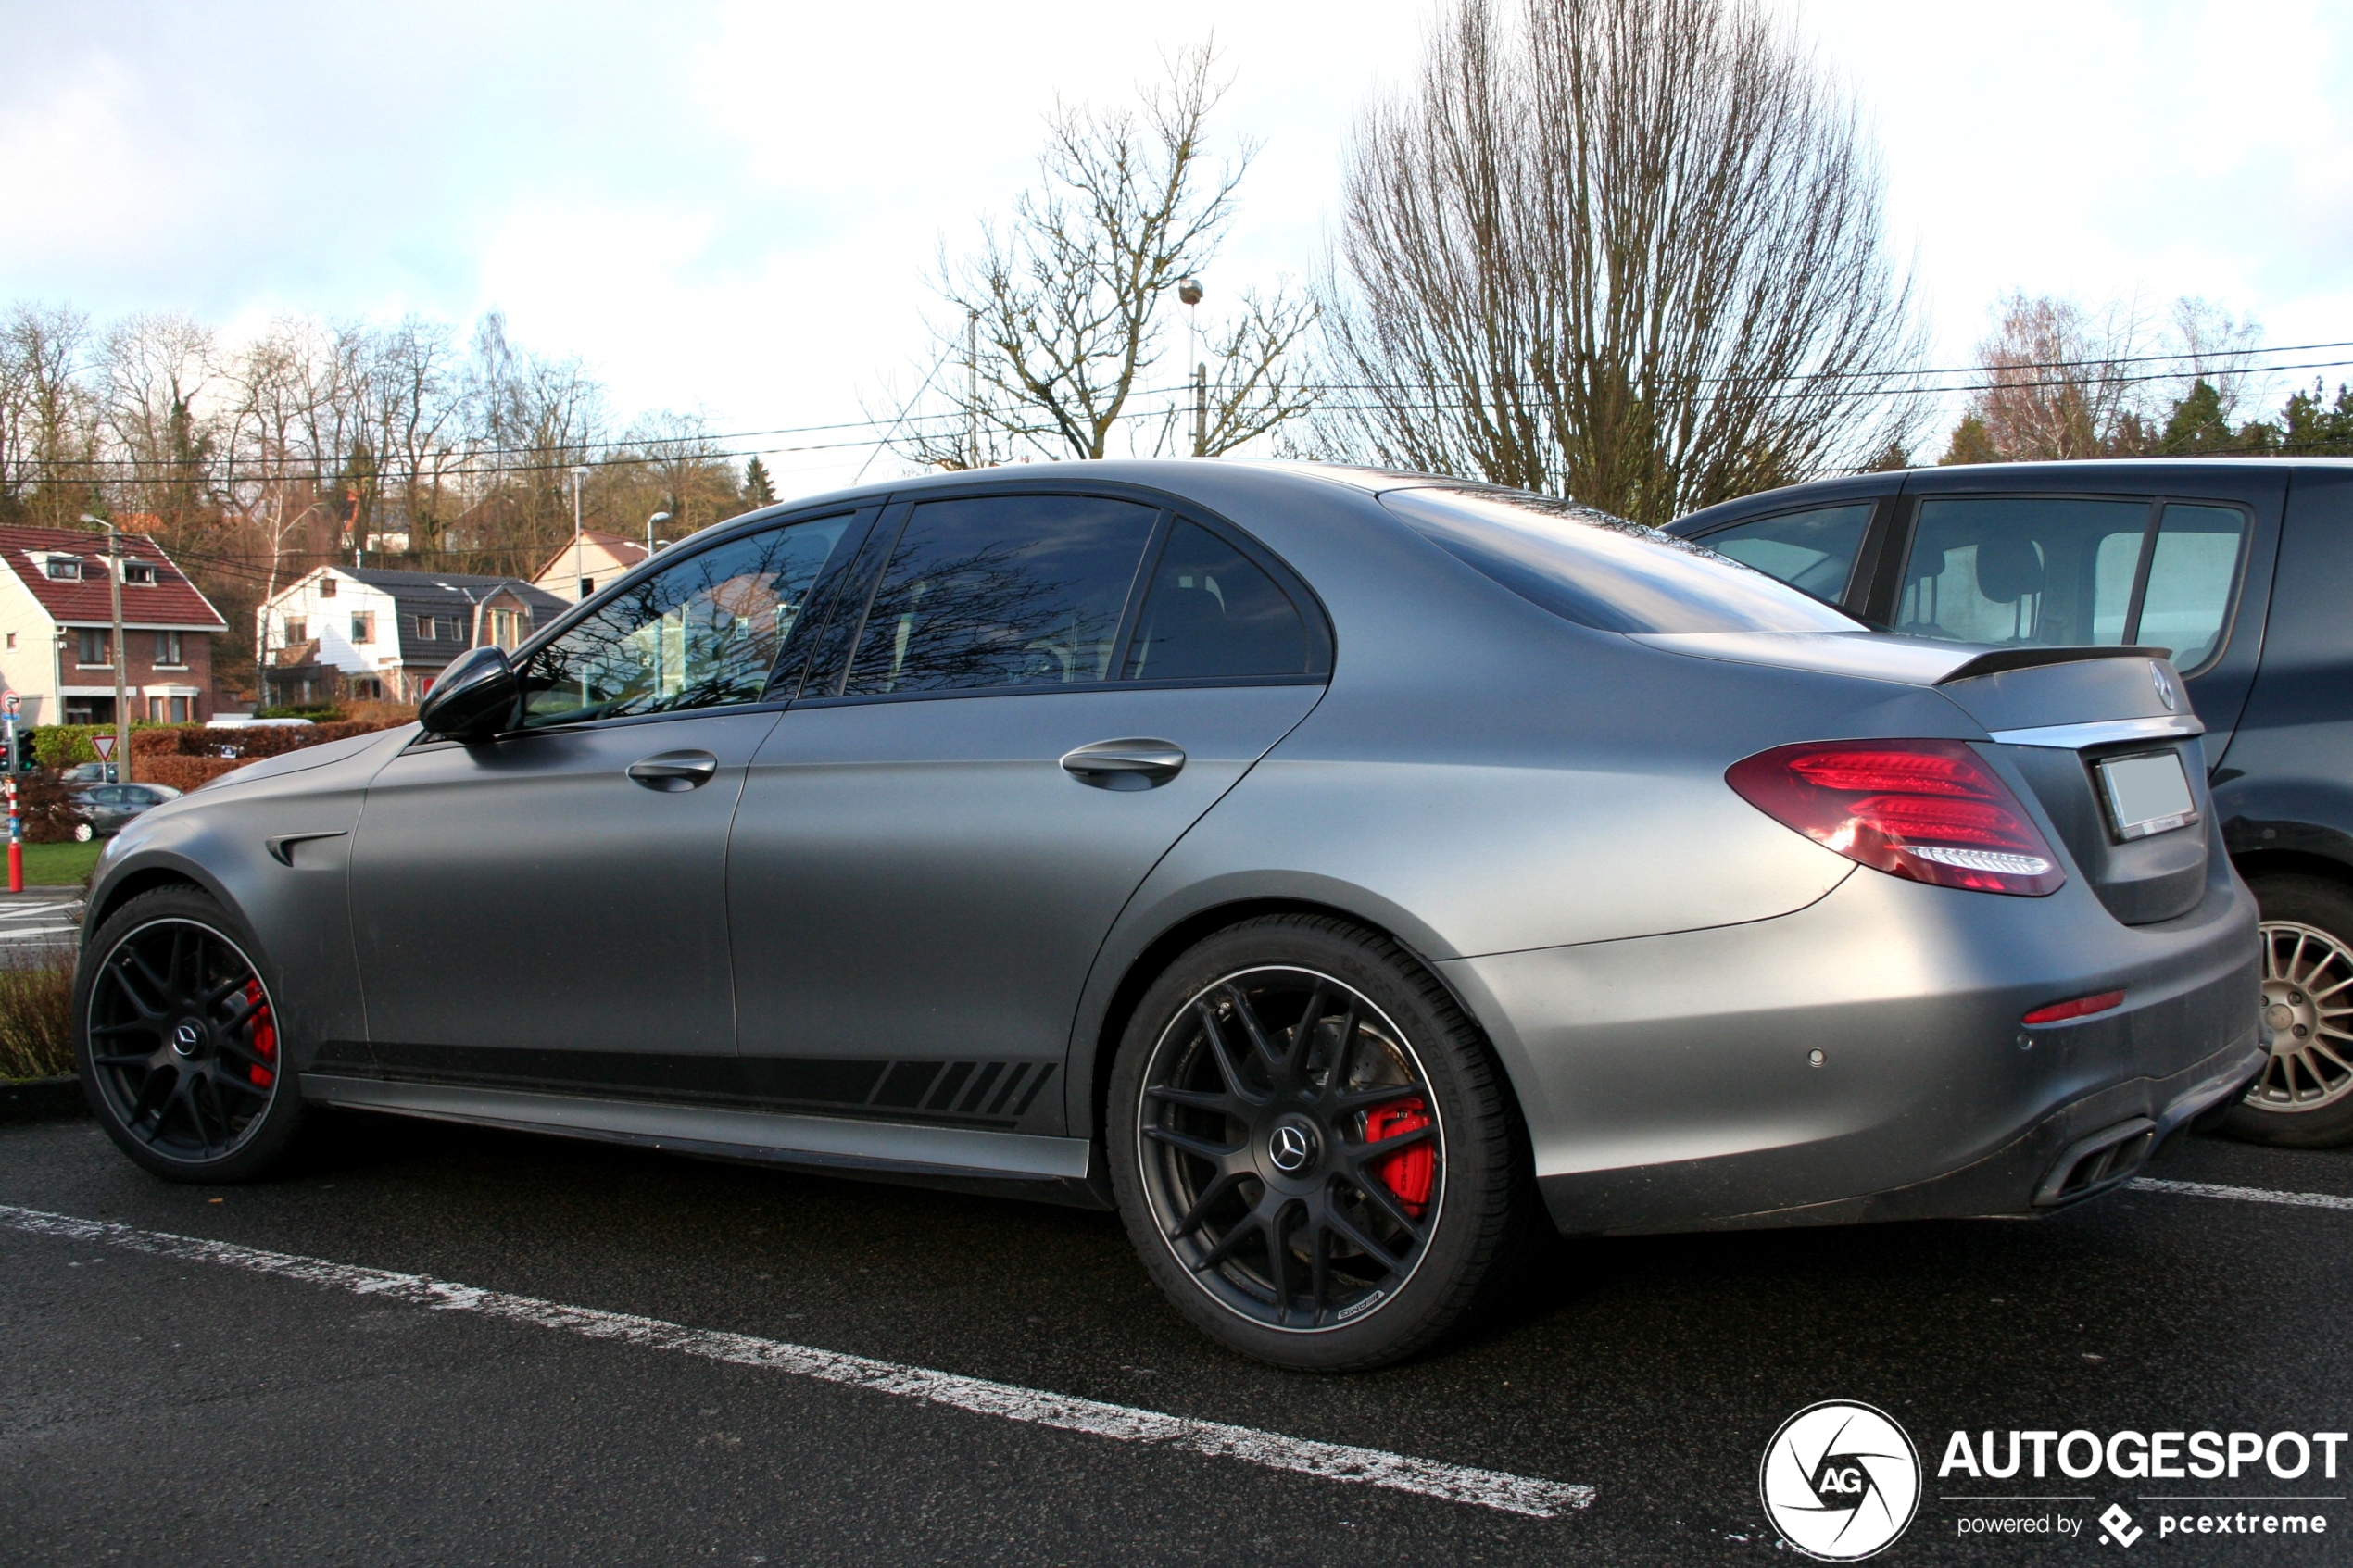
[(2304, 1097), (176, 1040), (1241, 1160)]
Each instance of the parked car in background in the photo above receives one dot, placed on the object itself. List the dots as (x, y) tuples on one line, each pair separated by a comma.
[(89, 774), (2241, 573), (106, 807)]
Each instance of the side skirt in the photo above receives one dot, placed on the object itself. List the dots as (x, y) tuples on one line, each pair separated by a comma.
[(1014, 1164)]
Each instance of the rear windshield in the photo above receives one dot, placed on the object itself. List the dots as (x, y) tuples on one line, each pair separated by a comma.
[(1603, 571)]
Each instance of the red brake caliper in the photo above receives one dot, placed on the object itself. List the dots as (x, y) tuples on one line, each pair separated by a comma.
[(265, 1033), (1409, 1171)]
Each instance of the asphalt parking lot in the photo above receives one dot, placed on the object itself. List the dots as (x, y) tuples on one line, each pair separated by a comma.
[(172, 1401)]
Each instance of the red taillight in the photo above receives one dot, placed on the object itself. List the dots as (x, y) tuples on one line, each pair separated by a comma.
[(1928, 810), (2082, 1007)]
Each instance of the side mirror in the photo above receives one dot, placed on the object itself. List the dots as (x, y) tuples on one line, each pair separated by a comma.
[(475, 697)]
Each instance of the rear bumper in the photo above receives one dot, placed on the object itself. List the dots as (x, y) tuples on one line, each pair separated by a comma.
[(1669, 1083)]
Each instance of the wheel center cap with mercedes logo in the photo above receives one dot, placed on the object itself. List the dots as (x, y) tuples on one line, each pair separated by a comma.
[(188, 1037), (1291, 1145)]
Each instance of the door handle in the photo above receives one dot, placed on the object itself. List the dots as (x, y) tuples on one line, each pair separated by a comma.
[(1125, 764), (674, 770)]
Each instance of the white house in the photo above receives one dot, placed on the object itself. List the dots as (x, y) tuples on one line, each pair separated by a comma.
[(375, 633)]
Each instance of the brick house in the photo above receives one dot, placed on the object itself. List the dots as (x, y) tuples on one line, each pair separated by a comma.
[(364, 633), (56, 630)]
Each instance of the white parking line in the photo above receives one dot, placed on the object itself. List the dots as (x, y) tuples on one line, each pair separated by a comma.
[(1331, 1461), (2244, 1195)]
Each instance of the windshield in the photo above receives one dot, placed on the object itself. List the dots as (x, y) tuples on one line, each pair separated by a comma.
[(1603, 571)]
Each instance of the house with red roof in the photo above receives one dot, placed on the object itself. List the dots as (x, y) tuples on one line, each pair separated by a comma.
[(56, 630)]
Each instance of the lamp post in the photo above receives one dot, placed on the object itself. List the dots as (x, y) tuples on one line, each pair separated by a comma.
[(1188, 291), (121, 768), (651, 547), (579, 558)]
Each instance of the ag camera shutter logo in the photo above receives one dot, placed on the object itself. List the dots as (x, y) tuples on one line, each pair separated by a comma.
[(1840, 1481)]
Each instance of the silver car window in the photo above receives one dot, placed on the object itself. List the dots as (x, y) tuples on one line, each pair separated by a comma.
[(1605, 572), (1002, 591), (703, 633), (1210, 613)]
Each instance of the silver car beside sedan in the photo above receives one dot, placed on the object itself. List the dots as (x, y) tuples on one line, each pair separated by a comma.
[(1331, 871)]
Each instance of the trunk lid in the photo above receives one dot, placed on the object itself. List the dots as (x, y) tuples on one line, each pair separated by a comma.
[(2057, 716)]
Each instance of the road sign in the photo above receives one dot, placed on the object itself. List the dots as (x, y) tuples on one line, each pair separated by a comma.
[(14, 702), (105, 746)]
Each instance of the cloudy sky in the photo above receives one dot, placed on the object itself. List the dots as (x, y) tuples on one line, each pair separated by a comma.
[(731, 206)]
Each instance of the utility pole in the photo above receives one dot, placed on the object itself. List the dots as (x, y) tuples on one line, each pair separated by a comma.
[(579, 558), (972, 389), (1188, 291), (121, 691)]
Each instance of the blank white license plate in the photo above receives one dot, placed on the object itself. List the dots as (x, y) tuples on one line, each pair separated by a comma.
[(2147, 793)]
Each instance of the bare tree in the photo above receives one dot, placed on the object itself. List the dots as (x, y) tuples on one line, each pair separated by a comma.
[(1059, 314), (1630, 251), (2057, 381), (48, 417)]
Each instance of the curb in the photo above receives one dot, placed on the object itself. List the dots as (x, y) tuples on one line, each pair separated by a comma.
[(42, 1100)]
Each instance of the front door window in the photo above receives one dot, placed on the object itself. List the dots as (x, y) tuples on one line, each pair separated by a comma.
[(703, 633)]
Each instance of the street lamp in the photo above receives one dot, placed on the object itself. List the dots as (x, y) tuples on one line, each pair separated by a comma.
[(651, 545), (120, 770), (1188, 291)]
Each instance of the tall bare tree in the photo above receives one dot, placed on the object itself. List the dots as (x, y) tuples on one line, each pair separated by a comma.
[(48, 417), (1630, 251), (1061, 313)]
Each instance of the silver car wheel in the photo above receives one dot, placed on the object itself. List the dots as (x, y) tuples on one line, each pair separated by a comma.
[(1290, 1148), (2307, 1009)]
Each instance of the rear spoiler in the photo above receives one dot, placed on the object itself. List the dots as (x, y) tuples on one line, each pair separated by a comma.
[(2002, 659)]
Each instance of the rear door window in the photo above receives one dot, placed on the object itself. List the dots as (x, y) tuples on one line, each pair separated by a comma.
[(2190, 569), (1211, 613), (1002, 591), (1812, 551), (2058, 572)]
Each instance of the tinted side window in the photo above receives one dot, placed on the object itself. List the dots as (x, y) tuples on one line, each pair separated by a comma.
[(2191, 570), (1810, 550), (1211, 612), (2051, 572), (701, 633), (1002, 591)]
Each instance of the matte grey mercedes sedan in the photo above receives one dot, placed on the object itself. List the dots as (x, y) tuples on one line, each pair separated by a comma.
[(1328, 870)]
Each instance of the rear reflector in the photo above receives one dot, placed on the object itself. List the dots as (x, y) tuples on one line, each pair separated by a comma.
[(2082, 1007), (1931, 810)]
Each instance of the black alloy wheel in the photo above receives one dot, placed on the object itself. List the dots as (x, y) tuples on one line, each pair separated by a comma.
[(179, 1041), (1315, 1159)]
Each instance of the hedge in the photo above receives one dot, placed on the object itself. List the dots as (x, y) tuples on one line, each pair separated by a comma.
[(62, 745), (185, 773), (196, 740)]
